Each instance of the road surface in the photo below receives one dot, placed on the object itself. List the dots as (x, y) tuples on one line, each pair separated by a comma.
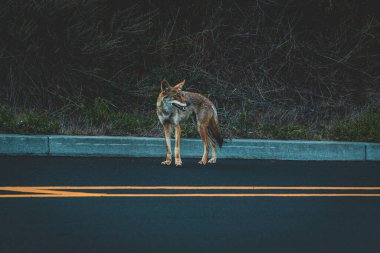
[(61, 204)]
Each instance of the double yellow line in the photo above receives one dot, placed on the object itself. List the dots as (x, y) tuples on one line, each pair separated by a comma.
[(180, 191)]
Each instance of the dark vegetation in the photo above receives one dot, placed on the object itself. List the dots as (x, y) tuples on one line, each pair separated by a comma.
[(274, 69)]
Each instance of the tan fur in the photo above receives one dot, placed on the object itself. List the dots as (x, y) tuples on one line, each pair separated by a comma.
[(171, 116)]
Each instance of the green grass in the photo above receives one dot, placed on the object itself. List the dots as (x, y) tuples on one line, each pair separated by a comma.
[(131, 123), (100, 113), (37, 123), (7, 120), (29, 123), (285, 132), (363, 128), (105, 118)]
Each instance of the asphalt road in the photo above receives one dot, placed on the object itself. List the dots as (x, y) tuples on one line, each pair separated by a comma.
[(136, 205)]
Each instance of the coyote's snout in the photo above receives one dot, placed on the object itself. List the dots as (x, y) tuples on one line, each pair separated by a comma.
[(175, 106)]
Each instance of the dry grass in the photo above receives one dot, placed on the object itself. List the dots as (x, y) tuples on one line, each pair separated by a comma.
[(299, 65)]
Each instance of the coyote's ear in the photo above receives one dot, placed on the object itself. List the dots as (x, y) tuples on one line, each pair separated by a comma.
[(165, 86), (179, 86)]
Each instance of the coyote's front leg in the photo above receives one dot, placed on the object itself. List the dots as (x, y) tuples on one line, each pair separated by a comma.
[(167, 132), (177, 155)]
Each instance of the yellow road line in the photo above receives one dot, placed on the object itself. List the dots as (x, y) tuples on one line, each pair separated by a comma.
[(186, 195), (40, 191), (339, 188), (67, 191)]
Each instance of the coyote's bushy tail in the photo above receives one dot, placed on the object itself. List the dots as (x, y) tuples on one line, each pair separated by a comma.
[(213, 131)]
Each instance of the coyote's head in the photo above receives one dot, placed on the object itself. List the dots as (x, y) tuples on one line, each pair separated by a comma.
[(173, 96)]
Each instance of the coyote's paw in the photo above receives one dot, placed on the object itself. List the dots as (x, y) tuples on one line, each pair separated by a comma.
[(166, 162), (201, 162), (212, 160), (178, 163)]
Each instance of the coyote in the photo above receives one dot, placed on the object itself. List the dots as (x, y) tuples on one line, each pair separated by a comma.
[(175, 106)]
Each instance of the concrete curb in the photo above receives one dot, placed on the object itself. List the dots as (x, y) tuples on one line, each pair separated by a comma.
[(60, 145), (12, 144)]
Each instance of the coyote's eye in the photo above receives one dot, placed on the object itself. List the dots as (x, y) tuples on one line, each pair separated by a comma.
[(178, 96)]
